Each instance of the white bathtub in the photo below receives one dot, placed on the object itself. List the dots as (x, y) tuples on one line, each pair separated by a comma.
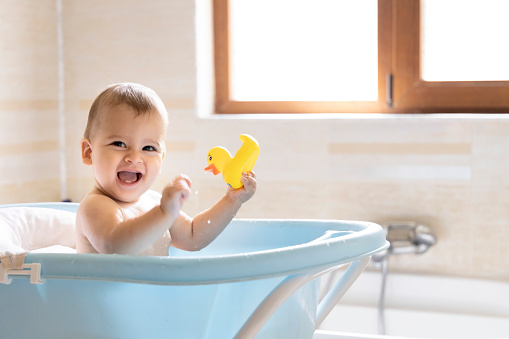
[(421, 307)]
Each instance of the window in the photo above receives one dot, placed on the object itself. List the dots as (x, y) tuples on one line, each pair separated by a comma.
[(400, 56)]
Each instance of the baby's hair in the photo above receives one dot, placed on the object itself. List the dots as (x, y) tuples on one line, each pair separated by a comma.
[(142, 99)]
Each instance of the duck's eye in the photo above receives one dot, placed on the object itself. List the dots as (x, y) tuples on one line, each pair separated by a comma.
[(210, 157)]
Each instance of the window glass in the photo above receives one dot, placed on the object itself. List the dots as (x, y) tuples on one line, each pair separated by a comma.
[(464, 40), (303, 50)]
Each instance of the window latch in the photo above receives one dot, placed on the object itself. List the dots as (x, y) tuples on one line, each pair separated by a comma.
[(389, 80)]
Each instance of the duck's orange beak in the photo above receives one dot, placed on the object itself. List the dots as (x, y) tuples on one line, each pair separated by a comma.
[(212, 168)]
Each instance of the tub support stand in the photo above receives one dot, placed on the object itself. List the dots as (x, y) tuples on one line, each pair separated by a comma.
[(291, 284), (337, 292)]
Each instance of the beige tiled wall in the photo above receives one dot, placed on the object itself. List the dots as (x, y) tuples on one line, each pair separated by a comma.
[(29, 163), (449, 172)]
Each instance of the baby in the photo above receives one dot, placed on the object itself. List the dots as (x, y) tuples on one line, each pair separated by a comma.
[(124, 142)]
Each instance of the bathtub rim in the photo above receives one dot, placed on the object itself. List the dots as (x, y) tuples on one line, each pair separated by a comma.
[(366, 239)]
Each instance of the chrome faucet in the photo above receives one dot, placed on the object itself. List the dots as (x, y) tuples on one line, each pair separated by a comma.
[(407, 237)]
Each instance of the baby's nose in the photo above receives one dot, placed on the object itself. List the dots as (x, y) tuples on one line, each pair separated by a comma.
[(133, 157)]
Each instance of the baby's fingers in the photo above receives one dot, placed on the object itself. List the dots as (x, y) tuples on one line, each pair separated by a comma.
[(182, 181), (249, 180), (183, 184)]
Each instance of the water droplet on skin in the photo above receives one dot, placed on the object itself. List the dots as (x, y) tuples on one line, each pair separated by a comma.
[(208, 221), (196, 192)]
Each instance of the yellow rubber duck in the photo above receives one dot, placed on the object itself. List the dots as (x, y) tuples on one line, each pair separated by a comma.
[(220, 160)]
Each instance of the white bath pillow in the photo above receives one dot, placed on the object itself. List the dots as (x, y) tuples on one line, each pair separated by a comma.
[(55, 249), (9, 243), (35, 228)]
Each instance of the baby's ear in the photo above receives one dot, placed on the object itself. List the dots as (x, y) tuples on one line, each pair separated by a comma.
[(86, 151)]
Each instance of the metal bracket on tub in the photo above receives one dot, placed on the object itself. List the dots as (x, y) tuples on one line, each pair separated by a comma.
[(32, 270)]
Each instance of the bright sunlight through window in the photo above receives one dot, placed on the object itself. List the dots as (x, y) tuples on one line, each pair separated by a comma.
[(304, 50), (464, 40)]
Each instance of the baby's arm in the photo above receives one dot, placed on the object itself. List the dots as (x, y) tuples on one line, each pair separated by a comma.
[(105, 226), (196, 233)]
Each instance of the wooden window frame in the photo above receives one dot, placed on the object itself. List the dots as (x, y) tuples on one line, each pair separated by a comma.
[(400, 87)]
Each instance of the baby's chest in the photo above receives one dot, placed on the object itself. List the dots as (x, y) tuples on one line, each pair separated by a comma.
[(145, 204)]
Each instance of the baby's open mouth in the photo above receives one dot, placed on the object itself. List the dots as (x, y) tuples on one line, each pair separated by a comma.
[(129, 177)]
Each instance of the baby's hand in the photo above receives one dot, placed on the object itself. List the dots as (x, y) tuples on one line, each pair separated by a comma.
[(174, 195), (245, 193)]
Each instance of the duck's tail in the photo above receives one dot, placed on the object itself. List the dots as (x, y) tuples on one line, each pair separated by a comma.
[(250, 150)]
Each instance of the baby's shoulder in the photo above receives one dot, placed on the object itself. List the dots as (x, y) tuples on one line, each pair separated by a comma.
[(93, 203)]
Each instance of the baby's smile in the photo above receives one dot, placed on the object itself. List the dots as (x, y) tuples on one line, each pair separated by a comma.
[(128, 177)]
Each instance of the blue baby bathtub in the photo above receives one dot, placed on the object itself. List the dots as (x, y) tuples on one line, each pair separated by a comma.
[(256, 280)]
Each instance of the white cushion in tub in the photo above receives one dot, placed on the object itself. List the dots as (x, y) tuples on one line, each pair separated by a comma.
[(24, 229)]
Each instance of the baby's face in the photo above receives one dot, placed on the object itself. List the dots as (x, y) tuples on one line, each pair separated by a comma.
[(127, 152)]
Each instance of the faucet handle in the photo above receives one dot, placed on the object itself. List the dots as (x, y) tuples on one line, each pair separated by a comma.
[(408, 237)]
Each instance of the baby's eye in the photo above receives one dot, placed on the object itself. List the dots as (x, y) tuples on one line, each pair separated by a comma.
[(150, 148), (118, 144)]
